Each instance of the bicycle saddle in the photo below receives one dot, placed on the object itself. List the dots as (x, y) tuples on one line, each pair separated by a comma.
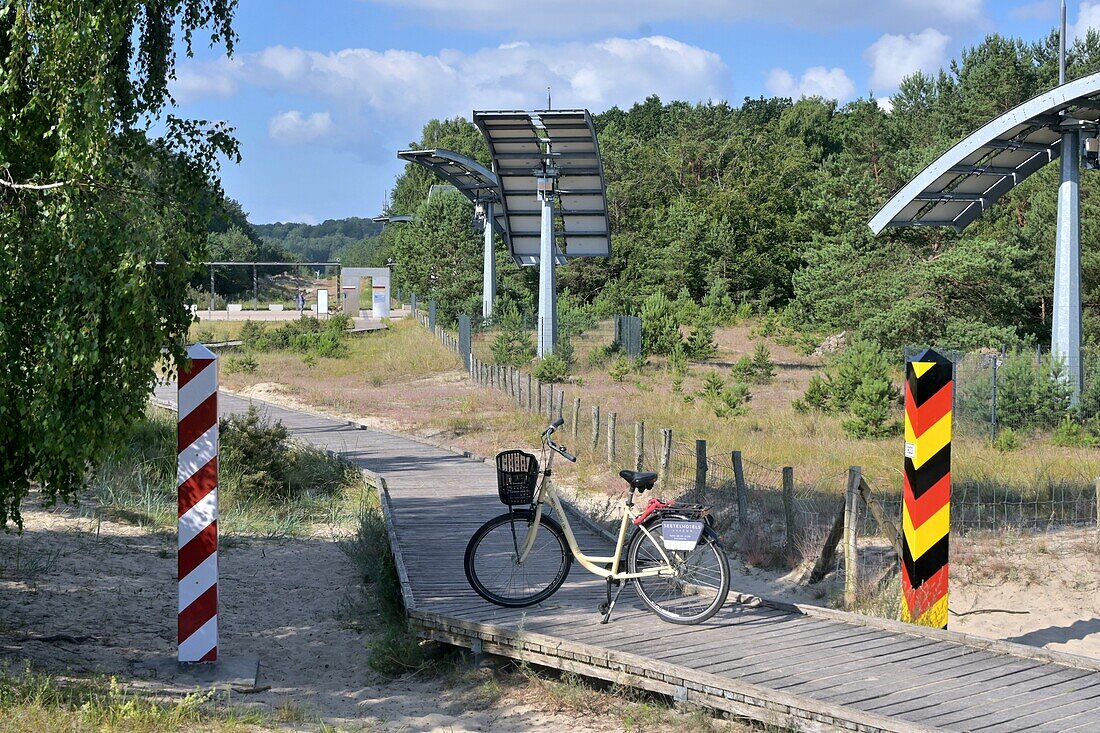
[(640, 480)]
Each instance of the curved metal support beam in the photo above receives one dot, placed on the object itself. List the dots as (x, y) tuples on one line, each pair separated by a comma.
[(992, 160)]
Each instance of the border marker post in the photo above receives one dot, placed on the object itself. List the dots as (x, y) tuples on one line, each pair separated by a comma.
[(926, 510), (197, 496)]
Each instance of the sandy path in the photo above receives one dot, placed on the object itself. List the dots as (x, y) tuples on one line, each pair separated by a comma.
[(107, 599)]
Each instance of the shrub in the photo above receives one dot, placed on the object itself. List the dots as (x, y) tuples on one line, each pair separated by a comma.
[(551, 369), (1006, 440), (870, 407), (726, 400), (677, 362), (685, 307), (243, 363), (660, 329), (255, 454), (601, 355), (718, 305), (1030, 394), (1071, 434), (742, 369), (619, 369), (700, 345), (816, 397), (258, 459), (513, 345), (251, 331), (763, 368), (857, 384)]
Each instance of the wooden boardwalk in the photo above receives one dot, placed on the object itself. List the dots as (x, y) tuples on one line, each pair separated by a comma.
[(799, 668)]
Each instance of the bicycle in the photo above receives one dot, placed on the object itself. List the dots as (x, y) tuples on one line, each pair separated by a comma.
[(521, 558)]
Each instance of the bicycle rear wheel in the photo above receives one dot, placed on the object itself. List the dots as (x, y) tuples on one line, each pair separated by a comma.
[(699, 585), (493, 568)]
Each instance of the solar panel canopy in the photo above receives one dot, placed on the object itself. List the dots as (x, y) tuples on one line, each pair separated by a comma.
[(471, 178), (521, 145), (970, 177)]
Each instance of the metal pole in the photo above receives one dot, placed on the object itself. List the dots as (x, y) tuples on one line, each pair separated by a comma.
[(210, 313), (547, 314), (1062, 48), (255, 286), (993, 405), (489, 289), (1066, 331)]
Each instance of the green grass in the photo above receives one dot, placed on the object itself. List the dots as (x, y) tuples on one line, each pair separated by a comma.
[(136, 485), (38, 703), (395, 649)]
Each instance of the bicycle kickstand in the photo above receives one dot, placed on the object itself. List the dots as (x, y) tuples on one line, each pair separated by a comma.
[(611, 600)]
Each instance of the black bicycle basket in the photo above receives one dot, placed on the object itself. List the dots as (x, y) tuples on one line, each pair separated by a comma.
[(517, 474)]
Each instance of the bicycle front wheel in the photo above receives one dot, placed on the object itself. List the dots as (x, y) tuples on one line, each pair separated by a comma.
[(492, 560), (697, 582)]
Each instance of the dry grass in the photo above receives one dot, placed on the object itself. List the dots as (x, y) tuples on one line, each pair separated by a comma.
[(404, 379), (565, 693)]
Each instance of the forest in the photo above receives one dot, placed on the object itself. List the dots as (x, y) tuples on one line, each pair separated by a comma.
[(352, 240), (768, 203)]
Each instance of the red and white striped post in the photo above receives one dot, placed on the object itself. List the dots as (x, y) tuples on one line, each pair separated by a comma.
[(197, 482)]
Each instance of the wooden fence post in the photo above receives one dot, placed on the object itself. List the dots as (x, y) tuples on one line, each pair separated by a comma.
[(828, 551), (788, 508), (639, 445), (538, 389), (530, 393), (851, 549), (595, 427), (561, 404), (742, 490), (1098, 505), (550, 402), (889, 531), (666, 453), (700, 467), (575, 424), (612, 418)]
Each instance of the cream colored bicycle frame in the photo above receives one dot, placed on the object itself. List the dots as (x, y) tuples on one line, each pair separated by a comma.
[(589, 562)]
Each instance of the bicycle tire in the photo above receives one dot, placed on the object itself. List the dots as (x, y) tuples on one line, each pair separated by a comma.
[(478, 553), (668, 597)]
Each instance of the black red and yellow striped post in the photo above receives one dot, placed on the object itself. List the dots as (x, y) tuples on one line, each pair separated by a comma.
[(926, 514)]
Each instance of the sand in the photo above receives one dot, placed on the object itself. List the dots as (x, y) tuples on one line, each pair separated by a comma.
[(104, 602)]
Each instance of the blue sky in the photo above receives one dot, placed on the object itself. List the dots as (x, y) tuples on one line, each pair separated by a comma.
[(324, 93)]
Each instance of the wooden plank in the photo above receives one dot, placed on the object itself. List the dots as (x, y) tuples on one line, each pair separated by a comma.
[(854, 658), (944, 689), (1046, 698)]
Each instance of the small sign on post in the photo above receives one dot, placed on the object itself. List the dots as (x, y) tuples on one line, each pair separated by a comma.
[(197, 493)]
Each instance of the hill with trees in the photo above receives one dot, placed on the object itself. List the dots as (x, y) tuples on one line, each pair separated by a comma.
[(353, 240)]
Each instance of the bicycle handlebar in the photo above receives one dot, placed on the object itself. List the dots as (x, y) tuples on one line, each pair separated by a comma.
[(559, 449)]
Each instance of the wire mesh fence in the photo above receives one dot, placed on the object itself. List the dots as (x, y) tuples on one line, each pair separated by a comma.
[(1022, 390)]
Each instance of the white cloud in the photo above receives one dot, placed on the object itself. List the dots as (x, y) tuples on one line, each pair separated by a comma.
[(196, 82), (816, 81), (885, 104), (529, 17), (403, 87), (291, 128), (893, 58), (1088, 17)]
